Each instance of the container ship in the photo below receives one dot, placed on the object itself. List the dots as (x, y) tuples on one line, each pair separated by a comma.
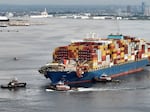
[(91, 58)]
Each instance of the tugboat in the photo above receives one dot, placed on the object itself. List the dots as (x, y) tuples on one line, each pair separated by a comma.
[(60, 86), (103, 78), (14, 84)]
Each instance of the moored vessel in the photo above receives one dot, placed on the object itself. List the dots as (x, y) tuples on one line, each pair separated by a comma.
[(43, 14), (84, 60), (3, 18)]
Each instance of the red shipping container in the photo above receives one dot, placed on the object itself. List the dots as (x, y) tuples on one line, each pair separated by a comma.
[(103, 58)]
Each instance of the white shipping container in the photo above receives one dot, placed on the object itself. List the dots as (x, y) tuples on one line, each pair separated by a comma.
[(99, 55), (108, 58), (129, 50), (116, 45), (133, 57), (126, 56), (145, 55), (140, 46), (146, 48)]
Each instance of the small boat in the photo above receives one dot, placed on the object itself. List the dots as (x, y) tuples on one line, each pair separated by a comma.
[(3, 19), (43, 14), (60, 86), (103, 78), (19, 85), (15, 59), (3, 25), (14, 84)]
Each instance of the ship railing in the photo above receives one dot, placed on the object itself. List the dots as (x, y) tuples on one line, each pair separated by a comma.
[(60, 70)]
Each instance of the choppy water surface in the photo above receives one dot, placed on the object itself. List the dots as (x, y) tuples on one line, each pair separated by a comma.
[(33, 48)]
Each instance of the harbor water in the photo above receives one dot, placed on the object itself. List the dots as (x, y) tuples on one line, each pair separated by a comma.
[(24, 49)]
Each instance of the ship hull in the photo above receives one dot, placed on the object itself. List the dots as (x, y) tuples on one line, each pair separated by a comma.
[(72, 79)]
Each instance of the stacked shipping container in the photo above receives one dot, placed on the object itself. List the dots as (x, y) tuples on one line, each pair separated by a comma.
[(116, 49)]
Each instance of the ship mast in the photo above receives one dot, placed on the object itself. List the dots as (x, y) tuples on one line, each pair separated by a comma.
[(118, 26)]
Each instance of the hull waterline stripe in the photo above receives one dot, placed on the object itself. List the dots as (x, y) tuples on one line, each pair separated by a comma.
[(125, 73), (78, 82)]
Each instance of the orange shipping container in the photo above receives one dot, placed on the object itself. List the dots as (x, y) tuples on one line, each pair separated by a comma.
[(122, 54), (114, 56)]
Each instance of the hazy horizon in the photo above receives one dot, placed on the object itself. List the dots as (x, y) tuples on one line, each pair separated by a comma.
[(72, 2)]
